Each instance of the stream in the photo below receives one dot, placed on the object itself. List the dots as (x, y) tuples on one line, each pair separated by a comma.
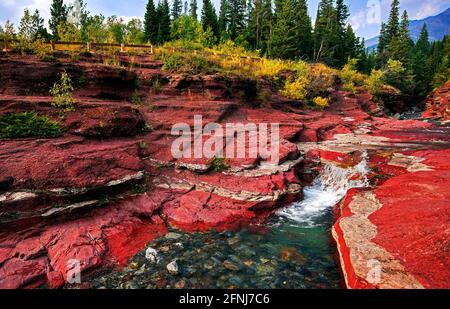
[(292, 249)]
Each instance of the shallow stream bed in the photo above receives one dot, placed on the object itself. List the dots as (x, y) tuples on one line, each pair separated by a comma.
[(293, 249)]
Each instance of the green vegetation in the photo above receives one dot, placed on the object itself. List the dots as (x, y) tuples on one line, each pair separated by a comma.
[(62, 93), (28, 124), (414, 69), (281, 32), (219, 164)]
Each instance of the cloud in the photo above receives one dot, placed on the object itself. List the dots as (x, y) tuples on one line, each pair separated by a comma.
[(14, 8)]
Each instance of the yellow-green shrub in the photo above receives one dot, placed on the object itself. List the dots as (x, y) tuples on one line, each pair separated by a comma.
[(296, 89), (374, 82), (350, 76), (321, 102)]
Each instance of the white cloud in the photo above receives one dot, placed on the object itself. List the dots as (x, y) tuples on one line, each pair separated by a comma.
[(16, 8)]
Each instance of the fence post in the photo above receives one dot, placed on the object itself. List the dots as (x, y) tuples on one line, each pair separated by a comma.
[(88, 47), (122, 48), (151, 49), (52, 44)]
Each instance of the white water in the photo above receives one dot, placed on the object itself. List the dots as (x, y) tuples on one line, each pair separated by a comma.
[(326, 191)]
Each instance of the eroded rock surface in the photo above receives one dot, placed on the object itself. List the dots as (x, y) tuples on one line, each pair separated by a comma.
[(99, 193)]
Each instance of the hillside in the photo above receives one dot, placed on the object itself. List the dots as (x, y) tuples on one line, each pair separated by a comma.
[(438, 26)]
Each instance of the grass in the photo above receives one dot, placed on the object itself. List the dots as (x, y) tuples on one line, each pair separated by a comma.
[(28, 124)]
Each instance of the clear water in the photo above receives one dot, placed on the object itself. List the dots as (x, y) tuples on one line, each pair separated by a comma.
[(292, 250)]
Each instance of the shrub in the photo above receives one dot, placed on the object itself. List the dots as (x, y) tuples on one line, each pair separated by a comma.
[(321, 102), (28, 124), (219, 164), (173, 61), (350, 76), (136, 98), (296, 89), (42, 51), (62, 93), (186, 62), (396, 75), (374, 83)]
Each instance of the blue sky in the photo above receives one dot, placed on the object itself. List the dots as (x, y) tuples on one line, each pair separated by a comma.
[(365, 18)]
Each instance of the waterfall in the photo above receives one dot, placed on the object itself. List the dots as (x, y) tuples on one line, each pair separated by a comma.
[(326, 191)]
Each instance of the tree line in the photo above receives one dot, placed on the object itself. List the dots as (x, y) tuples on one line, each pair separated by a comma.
[(276, 29), (417, 67)]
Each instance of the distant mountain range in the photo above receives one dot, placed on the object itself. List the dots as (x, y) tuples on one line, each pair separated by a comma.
[(438, 26)]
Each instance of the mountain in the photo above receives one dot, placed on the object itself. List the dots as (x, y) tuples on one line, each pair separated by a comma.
[(438, 26)]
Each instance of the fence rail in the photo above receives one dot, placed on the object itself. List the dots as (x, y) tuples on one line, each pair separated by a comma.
[(84, 45)]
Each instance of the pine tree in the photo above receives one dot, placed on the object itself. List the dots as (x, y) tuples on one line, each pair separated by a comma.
[(209, 18), (392, 26), (284, 38), (163, 16), (223, 21), (151, 22), (344, 46), (38, 25), (193, 9), (382, 46), (303, 30), (326, 33), (422, 64), (177, 8), (26, 31), (236, 17), (259, 25), (400, 46), (58, 12)]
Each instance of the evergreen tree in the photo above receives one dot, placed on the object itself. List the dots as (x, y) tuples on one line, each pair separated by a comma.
[(193, 9), (58, 12), (163, 16), (422, 64), (259, 25), (38, 25), (326, 33), (392, 26), (26, 31), (209, 18), (400, 46), (236, 18), (346, 45), (177, 8), (382, 46), (151, 22), (223, 21), (303, 30), (389, 32), (284, 38)]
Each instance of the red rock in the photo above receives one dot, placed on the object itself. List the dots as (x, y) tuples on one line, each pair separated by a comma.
[(438, 106), (202, 211)]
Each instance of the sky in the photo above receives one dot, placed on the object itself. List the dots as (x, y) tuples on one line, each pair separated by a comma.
[(366, 15)]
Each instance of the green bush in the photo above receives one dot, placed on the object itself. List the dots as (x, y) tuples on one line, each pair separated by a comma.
[(219, 164), (28, 124), (172, 62), (62, 93), (181, 62)]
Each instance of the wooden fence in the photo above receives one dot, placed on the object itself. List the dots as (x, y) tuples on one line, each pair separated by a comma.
[(63, 46), (148, 48)]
